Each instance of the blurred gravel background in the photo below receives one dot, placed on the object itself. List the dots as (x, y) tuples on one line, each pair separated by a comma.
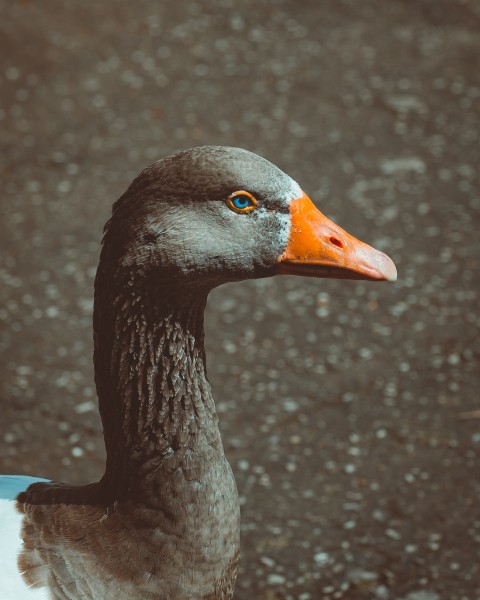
[(350, 411)]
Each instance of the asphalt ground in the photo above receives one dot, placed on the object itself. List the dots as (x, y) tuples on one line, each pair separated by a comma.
[(349, 410)]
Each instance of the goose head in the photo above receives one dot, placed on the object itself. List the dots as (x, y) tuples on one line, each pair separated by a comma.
[(211, 214)]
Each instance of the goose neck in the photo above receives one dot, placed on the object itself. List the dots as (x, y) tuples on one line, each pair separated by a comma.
[(154, 396)]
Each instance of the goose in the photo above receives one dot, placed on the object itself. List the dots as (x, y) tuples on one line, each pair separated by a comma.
[(163, 521)]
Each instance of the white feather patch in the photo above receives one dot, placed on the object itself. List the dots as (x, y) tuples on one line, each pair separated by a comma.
[(295, 190), (12, 584)]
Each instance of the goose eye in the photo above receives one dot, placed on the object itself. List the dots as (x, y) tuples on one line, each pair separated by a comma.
[(242, 202)]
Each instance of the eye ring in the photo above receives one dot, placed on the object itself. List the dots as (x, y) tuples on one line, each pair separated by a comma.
[(242, 202)]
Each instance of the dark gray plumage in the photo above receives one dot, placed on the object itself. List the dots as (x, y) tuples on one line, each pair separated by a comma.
[(164, 520)]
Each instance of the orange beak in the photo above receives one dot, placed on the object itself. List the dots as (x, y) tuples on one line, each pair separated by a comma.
[(317, 247)]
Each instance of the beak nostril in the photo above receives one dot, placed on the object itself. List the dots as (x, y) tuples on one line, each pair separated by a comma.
[(336, 242)]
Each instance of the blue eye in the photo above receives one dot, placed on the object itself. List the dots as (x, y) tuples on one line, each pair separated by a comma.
[(242, 202)]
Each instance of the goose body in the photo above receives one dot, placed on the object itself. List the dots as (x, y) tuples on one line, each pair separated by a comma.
[(163, 522)]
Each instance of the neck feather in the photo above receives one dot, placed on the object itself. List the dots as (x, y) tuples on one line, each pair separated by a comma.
[(154, 396)]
